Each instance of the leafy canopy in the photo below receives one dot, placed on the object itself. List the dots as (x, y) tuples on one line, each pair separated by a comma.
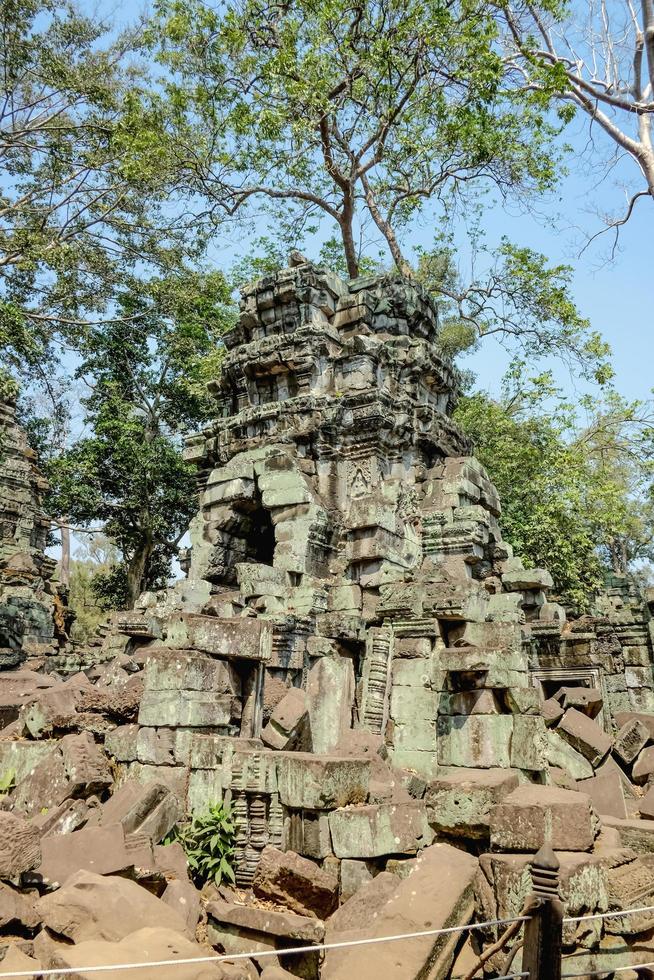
[(574, 499)]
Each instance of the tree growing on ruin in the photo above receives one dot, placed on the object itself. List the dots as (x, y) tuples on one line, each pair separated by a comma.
[(365, 119)]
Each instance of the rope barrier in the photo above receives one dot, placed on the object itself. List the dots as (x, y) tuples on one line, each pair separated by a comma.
[(291, 951), (603, 973), (608, 915)]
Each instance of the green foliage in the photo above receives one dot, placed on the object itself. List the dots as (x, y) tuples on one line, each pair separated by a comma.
[(520, 300), (85, 177), (208, 843), (347, 114), (7, 781), (146, 373), (568, 504), (90, 593)]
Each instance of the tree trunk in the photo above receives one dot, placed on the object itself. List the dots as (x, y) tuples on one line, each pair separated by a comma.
[(137, 569), (349, 247), (64, 531)]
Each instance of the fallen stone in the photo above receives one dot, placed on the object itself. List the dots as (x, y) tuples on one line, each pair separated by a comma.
[(90, 907), (355, 874), (437, 894), (288, 727), (562, 755), (297, 883), (587, 700), (76, 768), (646, 805), (20, 849), (101, 850), (528, 579), (584, 735), (635, 834), (606, 794), (631, 740), (150, 809), (184, 898), (144, 945), (357, 912), (552, 711), (378, 829), (16, 911), (19, 962), (459, 804), (321, 783), (226, 918), (533, 815), (643, 766), (644, 717), (121, 743)]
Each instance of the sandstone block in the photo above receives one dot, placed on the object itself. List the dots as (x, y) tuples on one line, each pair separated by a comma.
[(272, 924), (587, 700), (552, 711), (363, 905), (562, 755), (151, 809), (142, 945), (17, 912), (306, 781), (606, 794), (121, 743), (378, 829), (307, 833), (630, 740), (98, 849), (192, 709), (478, 741), (585, 735), (19, 845), (90, 907), (460, 804), (438, 893), (643, 766), (533, 814), (646, 718), (293, 881), (76, 768), (288, 727), (354, 875), (156, 746)]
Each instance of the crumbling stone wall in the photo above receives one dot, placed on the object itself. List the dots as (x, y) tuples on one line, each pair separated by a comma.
[(31, 609)]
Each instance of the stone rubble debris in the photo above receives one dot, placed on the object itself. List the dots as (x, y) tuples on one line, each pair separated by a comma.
[(395, 710)]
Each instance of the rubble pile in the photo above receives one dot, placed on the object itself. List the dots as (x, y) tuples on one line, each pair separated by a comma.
[(397, 713)]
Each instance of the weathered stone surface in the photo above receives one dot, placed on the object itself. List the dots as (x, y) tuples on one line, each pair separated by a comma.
[(645, 718), (587, 700), (150, 809), (17, 911), (288, 727), (438, 893), (477, 742), (295, 882), (362, 906), (460, 804), (77, 767), (19, 845), (321, 783), (143, 945), (606, 794), (643, 766), (184, 898), (284, 925), (375, 830), (584, 735), (646, 805), (355, 874), (90, 907), (552, 711), (98, 849), (630, 740), (562, 755), (532, 815)]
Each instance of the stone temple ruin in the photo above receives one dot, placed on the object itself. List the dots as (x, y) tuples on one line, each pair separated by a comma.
[(395, 709)]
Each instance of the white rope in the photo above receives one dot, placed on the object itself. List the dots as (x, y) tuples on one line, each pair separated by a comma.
[(608, 915), (611, 969), (291, 951)]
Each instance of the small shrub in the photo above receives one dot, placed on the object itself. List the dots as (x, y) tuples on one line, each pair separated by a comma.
[(208, 843)]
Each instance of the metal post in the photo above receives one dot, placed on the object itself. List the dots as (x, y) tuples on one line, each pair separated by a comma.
[(543, 934)]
